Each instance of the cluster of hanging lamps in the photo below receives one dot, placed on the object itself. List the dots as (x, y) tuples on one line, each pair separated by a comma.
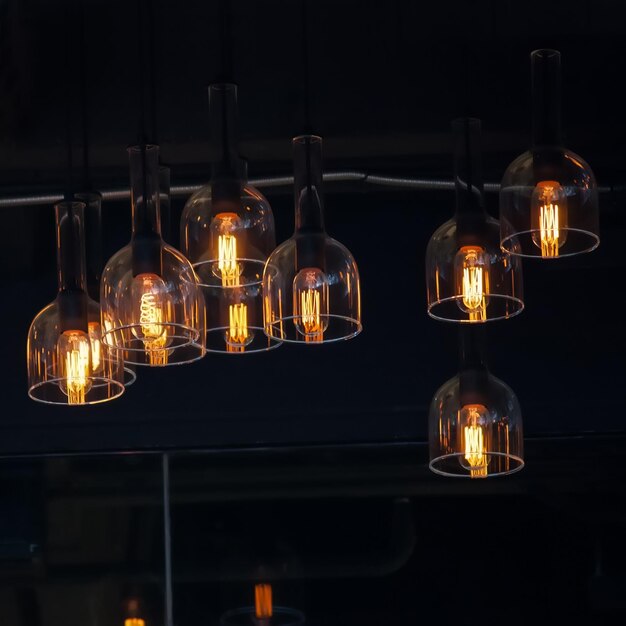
[(227, 232), (311, 282), (475, 423)]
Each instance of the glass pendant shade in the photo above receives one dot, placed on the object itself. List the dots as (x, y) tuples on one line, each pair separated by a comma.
[(469, 278), (151, 304), (475, 421), (548, 195), (311, 282), (68, 363), (227, 232), (93, 235)]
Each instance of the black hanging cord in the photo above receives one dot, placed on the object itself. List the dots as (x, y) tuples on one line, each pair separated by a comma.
[(82, 70), (306, 72), (226, 41), (69, 94)]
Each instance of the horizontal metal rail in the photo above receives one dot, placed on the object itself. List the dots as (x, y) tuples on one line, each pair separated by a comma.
[(181, 191)]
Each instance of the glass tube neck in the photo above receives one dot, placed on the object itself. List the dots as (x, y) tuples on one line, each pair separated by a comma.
[(468, 177), (546, 97), (224, 122), (309, 199), (71, 265), (146, 239)]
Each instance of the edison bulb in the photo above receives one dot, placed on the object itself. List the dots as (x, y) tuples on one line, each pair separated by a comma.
[(238, 335), (134, 621), (151, 315), (311, 303), (471, 268), (74, 354), (474, 434), (549, 217), (226, 243), (263, 606), (95, 341)]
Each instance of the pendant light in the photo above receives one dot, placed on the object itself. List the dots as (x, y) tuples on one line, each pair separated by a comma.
[(152, 307), (67, 361), (469, 278), (311, 282), (548, 195), (227, 232), (475, 421)]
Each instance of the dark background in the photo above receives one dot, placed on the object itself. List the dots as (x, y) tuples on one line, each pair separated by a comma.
[(310, 449)]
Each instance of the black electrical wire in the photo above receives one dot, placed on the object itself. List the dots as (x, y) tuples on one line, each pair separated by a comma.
[(306, 69)]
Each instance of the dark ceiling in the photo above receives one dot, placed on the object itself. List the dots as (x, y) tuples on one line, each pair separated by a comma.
[(385, 81)]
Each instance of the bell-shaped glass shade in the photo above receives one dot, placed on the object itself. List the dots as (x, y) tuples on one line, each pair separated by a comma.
[(152, 308), (469, 278), (548, 195), (67, 361), (227, 232), (549, 205), (476, 437), (311, 282)]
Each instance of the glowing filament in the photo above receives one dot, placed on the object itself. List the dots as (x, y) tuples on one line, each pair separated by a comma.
[(263, 601), (310, 303), (238, 333), (549, 228), (227, 260), (472, 282), (75, 362), (134, 621), (149, 294), (474, 448), (549, 217)]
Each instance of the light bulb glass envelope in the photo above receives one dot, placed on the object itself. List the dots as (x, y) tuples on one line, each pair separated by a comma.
[(480, 438), (470, 279), (73, 367), (549, 205), (227, 233)]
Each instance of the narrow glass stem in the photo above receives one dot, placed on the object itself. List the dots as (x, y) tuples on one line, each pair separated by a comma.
[(93, 238), (468, 176), (146, 240), (224, 123), (309, 199), (71, 265), (473, 372), (546, 97)]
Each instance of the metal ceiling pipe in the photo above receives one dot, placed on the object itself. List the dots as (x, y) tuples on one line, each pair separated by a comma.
[(181, 191)]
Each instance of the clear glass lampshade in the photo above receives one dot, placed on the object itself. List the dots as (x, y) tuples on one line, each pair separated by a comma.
[(549, 205), (152, 307), (227, 232), (311, 282), (67, 361), (548, 195), (477, 439), (469, 278)]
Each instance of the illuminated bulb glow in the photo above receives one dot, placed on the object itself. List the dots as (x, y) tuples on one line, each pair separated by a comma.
[(227, 266), (74, 355), (549, 227), (150, 292), (310, 303), (549, 217), (134, 621), (263, 601), (474, 282), (474, 442), (238, 333)]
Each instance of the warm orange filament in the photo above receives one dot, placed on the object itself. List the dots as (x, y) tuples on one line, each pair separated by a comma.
[(263, 601), (151, 318), (549, 228), (238, 327), (134, 621), (75, 350), (474, 440), (310, 307), (227, 251), (475, 281)]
